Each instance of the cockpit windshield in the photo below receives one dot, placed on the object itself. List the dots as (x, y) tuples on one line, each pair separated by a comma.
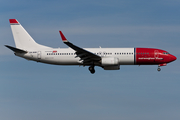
[(165, 53)]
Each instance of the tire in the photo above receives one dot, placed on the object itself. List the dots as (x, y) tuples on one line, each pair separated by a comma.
[(159, 69), (91, 69)]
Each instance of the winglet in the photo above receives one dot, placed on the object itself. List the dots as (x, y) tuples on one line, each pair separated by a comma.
[(63, 37), (13, 21)]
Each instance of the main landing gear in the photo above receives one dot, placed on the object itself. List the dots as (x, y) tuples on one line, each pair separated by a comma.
[(91, 69)]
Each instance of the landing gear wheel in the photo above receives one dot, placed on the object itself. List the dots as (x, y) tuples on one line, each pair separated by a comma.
[(91, 69), (159, 69)]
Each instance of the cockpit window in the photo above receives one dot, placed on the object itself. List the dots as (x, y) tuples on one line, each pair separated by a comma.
[(165, 53)]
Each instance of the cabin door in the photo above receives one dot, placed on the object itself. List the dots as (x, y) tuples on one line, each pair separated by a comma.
[(39, 54)]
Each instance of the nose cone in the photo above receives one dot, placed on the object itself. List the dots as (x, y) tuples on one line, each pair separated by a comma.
[(173, 58)]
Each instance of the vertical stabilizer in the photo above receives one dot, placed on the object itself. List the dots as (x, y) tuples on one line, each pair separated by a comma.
[(21, 37)]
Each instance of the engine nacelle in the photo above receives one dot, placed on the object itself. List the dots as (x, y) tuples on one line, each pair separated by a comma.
[(110, 61), (116, 67)]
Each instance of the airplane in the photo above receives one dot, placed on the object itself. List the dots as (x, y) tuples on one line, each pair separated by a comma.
[(107, 58)]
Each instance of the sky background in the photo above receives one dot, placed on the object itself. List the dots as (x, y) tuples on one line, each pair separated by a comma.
[(37, 91)]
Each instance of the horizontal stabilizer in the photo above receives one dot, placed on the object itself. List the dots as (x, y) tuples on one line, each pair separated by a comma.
[(16, 50)]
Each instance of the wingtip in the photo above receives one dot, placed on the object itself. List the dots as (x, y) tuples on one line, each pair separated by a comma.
[(63, 37), (13, 21)]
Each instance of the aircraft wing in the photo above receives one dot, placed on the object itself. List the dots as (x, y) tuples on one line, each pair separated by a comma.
[(86, 56)]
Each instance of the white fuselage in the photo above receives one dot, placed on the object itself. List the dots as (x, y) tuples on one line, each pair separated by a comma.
[(67, 56)]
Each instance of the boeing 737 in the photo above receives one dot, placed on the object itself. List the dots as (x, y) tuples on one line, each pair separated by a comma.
[(107, 58)]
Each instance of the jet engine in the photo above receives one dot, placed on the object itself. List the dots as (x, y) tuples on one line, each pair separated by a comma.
[(110, 63), (106, 61)]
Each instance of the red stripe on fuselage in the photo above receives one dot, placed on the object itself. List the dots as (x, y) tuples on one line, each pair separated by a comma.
[(150, 56)]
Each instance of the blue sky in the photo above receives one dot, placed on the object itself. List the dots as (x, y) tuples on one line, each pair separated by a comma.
[(30, 90)]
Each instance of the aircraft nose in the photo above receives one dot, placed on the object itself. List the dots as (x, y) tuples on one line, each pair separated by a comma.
[(173, 57)]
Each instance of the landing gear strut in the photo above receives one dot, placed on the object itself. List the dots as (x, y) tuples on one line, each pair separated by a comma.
[(91, 69), (159, 69)]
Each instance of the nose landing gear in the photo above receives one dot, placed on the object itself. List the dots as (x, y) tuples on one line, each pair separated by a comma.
[(159, 69), (91, 69)]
